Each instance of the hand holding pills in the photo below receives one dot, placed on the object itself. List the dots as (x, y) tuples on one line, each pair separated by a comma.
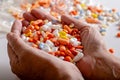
[(32, 63)]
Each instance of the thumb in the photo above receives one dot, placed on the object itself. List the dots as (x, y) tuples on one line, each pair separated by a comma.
[(16, 43)]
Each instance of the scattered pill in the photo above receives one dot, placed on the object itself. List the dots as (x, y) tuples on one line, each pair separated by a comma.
[(111, 50)]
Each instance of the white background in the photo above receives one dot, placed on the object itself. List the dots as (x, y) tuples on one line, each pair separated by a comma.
[(110, 39)]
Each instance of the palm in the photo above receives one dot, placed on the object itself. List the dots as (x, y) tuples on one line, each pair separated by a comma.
[(93, 47)]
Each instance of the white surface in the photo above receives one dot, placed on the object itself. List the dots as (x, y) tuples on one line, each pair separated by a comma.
[(110, 38), (5, 71), (111, 41)]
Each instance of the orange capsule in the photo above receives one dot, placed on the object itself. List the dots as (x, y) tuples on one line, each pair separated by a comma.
[(74, 12), (69, 53), (62, 48), (79, 47), (53, 40), (31, 27), (40, 22), (27, 31), (91, 20), (66, 27), (38, 33), (72, 49), (118, 34), (99, 10), (65, 30), (45, 39), (111, 50), (44, 3), (114, 10), (35, 5), (68, 58), (37, 27), (30, 40), (38, 42), (92, 9), (77, 36), (37, 22), (50, 35), (63, 41), (74, 31), (74, 53), (62, 54), (56, 43), (52, 53), (54, 14), (76, 2), (57, 53), (36, 38), (34, 45), (69, 46)]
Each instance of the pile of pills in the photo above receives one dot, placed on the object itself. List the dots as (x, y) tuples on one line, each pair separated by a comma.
[(60, 40), (79, 9), (93, 14)]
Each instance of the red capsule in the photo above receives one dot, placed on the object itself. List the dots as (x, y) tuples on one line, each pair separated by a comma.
[(68, 58), (62, 54), (62, 48), (69, 53)]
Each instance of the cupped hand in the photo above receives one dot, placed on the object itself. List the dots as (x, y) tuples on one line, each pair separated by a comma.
[(93, 65), (29, 63)]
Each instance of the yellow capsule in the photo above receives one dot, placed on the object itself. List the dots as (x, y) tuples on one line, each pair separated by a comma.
[(64, 37), (104, 26), (63, 34), (103, 33), (41, 39), (83, 6), (94, 15), (31, 22), (28, 34)]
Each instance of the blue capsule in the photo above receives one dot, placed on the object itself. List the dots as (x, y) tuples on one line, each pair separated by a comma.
[(55, 21), (118, 13), (110, 11), (102, 30), (81, 11), (77, 17), (100, 17)]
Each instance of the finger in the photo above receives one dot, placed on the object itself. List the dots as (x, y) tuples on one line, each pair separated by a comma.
[(25, 23), (68, 20), (28, 17), (16, 43), (40, 14), (17, 27), (12, 56)]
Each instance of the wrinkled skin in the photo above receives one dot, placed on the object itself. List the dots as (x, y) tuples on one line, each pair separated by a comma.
[(29, 63), (97, 63)]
